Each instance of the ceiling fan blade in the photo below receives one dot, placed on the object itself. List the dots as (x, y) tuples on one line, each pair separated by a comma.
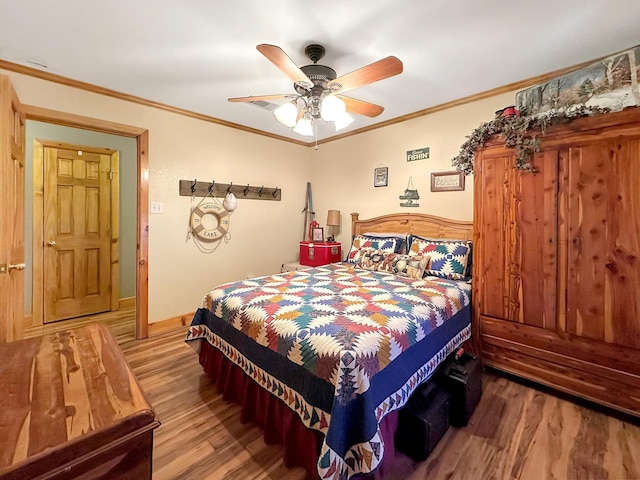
[(265, 98), (385, 68), (281, 60), (361, 107)]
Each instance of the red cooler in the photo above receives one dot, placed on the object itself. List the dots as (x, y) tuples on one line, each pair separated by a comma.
[(314, 254)]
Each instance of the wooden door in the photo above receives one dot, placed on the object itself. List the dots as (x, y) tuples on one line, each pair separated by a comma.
[(77, 233), (603, 231), (12, 147)]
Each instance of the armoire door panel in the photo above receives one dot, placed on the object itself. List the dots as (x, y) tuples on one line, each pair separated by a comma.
[(604, 242), (587, 240), (562, 215), (518, 249), (623, 264), (533, 243), (492, 252)]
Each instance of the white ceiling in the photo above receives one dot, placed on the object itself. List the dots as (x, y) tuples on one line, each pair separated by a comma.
[(194, 54)]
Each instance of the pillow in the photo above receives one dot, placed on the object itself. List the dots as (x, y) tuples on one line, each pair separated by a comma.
[(368, 259), (384, 244), (449, 258), (401, 239), (404, 265)]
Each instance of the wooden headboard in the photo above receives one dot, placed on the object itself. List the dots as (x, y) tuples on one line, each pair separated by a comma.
[(414, 223)]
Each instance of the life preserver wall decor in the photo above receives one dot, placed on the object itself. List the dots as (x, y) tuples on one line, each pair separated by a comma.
[(205, 234), (209, 234)]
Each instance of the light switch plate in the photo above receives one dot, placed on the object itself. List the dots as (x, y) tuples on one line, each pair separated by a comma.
[(157, 207)]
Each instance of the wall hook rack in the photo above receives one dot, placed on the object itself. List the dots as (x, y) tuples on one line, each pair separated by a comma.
[(188, 188)]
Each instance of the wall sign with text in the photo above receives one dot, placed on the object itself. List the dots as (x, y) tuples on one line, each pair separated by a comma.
[(381, 177), (419, 154), (447, 181)]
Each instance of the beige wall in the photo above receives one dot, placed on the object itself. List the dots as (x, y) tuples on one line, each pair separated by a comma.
[(266, 234), (263, 234), (342, 171)]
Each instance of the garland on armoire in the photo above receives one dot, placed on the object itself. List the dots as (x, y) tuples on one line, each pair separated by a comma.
[(520, 133)]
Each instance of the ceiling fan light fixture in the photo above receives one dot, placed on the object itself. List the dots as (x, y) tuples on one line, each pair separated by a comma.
[(332, 108), (343, 121), (287, 114), (320, 90), (304, 127)]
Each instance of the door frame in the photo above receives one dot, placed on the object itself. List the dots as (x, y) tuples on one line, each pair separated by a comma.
[(142, 230), (39, 147)]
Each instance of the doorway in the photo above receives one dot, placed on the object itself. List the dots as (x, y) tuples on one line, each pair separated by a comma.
[(136, 245), (81, 259)]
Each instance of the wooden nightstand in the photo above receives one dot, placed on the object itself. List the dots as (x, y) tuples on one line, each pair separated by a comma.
[(72, 408)]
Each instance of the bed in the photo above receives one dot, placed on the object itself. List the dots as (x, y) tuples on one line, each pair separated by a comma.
[(323, 358)]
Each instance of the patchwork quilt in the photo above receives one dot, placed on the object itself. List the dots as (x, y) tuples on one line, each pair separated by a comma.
[(340, 345)]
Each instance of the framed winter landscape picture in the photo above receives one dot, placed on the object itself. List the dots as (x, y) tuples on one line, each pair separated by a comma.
[(609, 83)]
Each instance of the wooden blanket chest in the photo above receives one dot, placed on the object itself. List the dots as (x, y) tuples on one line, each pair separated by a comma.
[(70, 407)]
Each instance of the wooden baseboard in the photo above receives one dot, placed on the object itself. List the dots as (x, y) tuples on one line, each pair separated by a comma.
[(129, 302), (170, 324)]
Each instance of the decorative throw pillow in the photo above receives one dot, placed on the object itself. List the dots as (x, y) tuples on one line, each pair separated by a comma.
[(385, 244), (400, 238), (449, 258), (368, 259), (404, 265)]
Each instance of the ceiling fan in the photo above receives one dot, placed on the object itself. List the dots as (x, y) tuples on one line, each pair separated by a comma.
[(319, 89)]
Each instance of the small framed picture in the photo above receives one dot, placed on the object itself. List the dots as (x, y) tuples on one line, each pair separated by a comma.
[(317, 234), (447, 181), (380, 177)]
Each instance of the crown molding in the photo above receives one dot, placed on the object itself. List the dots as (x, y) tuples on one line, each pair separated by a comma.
[(51, 77)]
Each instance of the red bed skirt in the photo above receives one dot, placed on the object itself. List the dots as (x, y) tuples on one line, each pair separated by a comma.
[(281, 425)]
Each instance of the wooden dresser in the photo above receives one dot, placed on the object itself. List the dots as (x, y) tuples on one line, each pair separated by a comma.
[(70, 407), (557, 260)]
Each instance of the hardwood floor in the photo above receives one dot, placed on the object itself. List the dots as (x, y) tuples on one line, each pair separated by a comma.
[(121, 323), (517, 432)]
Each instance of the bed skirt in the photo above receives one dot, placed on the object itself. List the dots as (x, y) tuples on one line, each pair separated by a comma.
[(281, 425)]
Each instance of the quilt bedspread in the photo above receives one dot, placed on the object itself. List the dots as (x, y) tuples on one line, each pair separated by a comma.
[(367, 338)]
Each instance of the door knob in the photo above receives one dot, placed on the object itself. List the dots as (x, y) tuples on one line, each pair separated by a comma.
[(17, 266), (51, 243)]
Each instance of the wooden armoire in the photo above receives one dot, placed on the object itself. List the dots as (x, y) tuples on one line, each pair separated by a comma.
[(556, 270)]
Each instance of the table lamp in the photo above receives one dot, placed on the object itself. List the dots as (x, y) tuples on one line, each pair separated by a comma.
[(333, 220)]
